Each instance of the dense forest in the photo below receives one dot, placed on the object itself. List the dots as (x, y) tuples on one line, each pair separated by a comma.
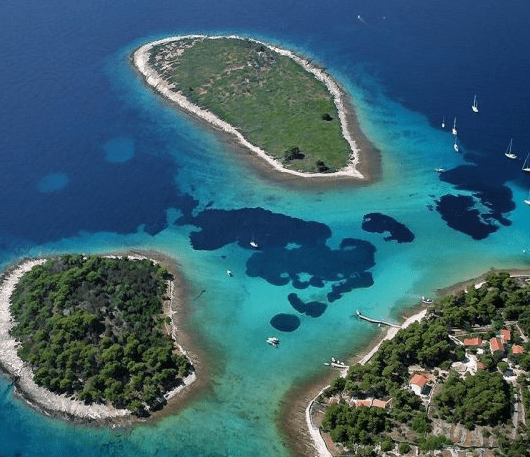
[(483, 399), (91, 326)]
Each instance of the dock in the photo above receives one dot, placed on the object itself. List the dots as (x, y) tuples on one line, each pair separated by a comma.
[(375, 321)]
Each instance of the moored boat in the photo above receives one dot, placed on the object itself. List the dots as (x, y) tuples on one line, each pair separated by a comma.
[(474, 106), (509, 153), (526, 165), (273, 341)]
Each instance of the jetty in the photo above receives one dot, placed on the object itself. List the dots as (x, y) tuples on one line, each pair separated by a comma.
[(375, 321)]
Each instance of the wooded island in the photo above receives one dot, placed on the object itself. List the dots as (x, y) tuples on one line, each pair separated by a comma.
[(92, 327)]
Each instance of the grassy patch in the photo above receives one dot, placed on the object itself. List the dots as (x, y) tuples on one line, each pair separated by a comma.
[(272, 100)]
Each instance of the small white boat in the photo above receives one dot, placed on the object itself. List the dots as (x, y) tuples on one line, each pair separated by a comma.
[(439, 170), (454, 127), (273, 341), (443, 122), (474, 106), (455, 145), (229, 273), (509, 153), (527, 201), (426, 300), (526, 165), (254, 244)]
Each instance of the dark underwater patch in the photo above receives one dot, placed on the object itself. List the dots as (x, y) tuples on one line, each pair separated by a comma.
[(345, 266), (459, 213), (277, 261), (267, 229), (285, 322), (311, 309), (380, 223), (487, 184), (356, 281)]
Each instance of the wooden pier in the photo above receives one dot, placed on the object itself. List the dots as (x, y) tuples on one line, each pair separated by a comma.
[(375, 321)]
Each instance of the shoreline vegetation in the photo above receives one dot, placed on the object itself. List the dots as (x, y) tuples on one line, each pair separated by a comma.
[(143, 60), (320, 444), (477, 314), (64, 405)]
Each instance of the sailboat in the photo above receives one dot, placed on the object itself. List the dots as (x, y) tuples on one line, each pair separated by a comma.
[(474, 106), (454, 127), (526, 165), (455, 145), (443, 122), (509, 153), (527, 201)]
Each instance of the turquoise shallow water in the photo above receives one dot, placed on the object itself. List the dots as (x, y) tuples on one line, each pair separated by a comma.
[(105, 165)]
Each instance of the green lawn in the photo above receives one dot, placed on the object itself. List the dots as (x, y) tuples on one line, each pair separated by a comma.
[(273, 101)]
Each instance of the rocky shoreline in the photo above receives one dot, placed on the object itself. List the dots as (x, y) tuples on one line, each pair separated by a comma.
[(43, 400), (140, 59)]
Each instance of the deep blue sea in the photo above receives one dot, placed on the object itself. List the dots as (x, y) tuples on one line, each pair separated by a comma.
[(92, 161)]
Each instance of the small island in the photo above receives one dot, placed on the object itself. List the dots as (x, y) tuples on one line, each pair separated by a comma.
[(277, 104), (453, 383), (92, 337)]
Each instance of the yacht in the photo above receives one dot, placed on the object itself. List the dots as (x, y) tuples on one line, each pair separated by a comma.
[(454, 127), (526, 165), (254, 244), (509, 153), (474, 106), (273, 341), (455, 145), (443, 122)]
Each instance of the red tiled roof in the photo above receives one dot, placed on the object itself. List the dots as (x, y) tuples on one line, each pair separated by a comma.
[(477, 341), (496, 345), (505, 335), (418, 380), (516, 349), (480, 365), (379, 403), (359, 403)]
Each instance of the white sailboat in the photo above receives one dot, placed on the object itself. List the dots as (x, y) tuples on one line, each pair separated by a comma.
[(454, 127), (527, 201), (443, 122), (526, 165), (455, 145), (474, 106), (509, 153)]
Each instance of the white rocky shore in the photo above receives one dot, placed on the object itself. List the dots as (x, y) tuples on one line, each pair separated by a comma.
[(39, 397), (141, 62)]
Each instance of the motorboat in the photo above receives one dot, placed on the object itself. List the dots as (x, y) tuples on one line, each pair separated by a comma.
[(273, 341)]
